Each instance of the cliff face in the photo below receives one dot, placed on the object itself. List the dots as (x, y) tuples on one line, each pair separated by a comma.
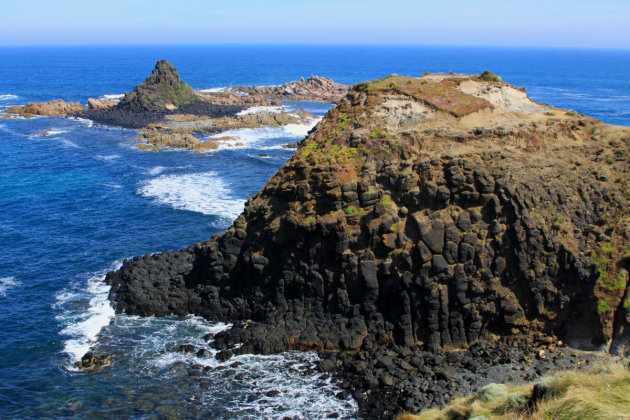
[(436, 210)]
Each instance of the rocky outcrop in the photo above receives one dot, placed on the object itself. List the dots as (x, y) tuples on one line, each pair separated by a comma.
[(162, 93), (233, 98), (315, 88), (420, 213), (56, 107), (163, 89), (182, 131), (154, 140), (94, 103)]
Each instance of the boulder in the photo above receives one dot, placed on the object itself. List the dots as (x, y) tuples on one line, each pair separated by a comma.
[(94, 103)]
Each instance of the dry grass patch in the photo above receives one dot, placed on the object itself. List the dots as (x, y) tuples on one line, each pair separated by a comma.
[(602, 393)]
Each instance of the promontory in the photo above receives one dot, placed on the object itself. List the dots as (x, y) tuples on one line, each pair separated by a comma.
[(427, 229)]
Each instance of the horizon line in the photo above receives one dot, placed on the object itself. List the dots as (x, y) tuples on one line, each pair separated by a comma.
[(309, 44)]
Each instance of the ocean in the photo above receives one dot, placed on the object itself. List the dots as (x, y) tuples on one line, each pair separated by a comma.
[(77, 202)]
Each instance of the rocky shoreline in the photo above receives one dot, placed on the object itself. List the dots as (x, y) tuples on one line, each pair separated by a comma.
[(172, 114), (390, 380), (446, 215)]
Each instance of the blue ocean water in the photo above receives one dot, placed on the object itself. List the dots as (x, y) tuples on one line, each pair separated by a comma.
[(74, 203)]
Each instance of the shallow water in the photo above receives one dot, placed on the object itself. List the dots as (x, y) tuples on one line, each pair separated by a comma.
[(77, 202)]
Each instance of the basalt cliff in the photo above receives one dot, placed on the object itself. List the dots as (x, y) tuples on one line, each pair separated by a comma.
[(428, 213)]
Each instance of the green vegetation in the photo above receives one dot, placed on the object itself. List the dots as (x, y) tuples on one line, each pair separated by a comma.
[(443, 95), (610, 284), (387, 201), (488, 76), (601, 393), (162, 88)]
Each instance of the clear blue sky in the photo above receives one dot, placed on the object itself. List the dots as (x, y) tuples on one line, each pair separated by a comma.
[(553, 23)]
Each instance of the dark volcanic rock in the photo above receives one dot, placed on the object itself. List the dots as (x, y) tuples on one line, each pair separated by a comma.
[(162, 93), (395, 226)]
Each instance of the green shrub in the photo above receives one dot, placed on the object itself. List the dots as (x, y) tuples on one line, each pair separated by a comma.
[(488, 76)]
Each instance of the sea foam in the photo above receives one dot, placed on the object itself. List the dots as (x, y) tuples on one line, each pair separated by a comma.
[(256, 386), (200, 192), (107, 157), (6, 97), (215, 90), (112, 96), (257, 109), (7, 283), (85, 310), (259, 138)]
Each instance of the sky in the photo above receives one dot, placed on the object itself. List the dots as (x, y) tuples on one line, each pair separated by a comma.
[(551, 23)]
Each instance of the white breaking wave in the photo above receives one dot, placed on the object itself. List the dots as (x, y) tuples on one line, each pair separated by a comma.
[(215, 90), (256, 109), (7, 283), (88, 123), (68, 143), (156, 170), (259, 137), (271, 387), (107, 157), (8, 96), (85, 312), (55, 132), (113, 96), (201, 192)]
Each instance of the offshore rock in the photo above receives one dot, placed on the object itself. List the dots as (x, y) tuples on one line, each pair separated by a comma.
[(435, 211), (163, 92), (56, 107), (315, 88)]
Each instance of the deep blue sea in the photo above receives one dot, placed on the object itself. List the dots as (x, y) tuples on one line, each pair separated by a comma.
[(75, 203)]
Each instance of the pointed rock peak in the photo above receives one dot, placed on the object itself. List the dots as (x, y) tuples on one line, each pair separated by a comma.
[(163, 89), (164, 72)]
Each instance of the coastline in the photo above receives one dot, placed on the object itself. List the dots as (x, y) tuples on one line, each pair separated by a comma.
[(55, 135)]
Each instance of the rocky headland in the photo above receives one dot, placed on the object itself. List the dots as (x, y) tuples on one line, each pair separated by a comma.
[(429, 235)]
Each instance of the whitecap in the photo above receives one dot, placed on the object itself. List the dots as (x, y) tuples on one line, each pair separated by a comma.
[(86, 310), (68, 143), (156, 170), (7, 283), (200, 192), (55, 132), (8, 96), (107, 157)]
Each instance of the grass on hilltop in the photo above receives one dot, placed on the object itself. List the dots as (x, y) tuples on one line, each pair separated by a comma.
[(602, 393)]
